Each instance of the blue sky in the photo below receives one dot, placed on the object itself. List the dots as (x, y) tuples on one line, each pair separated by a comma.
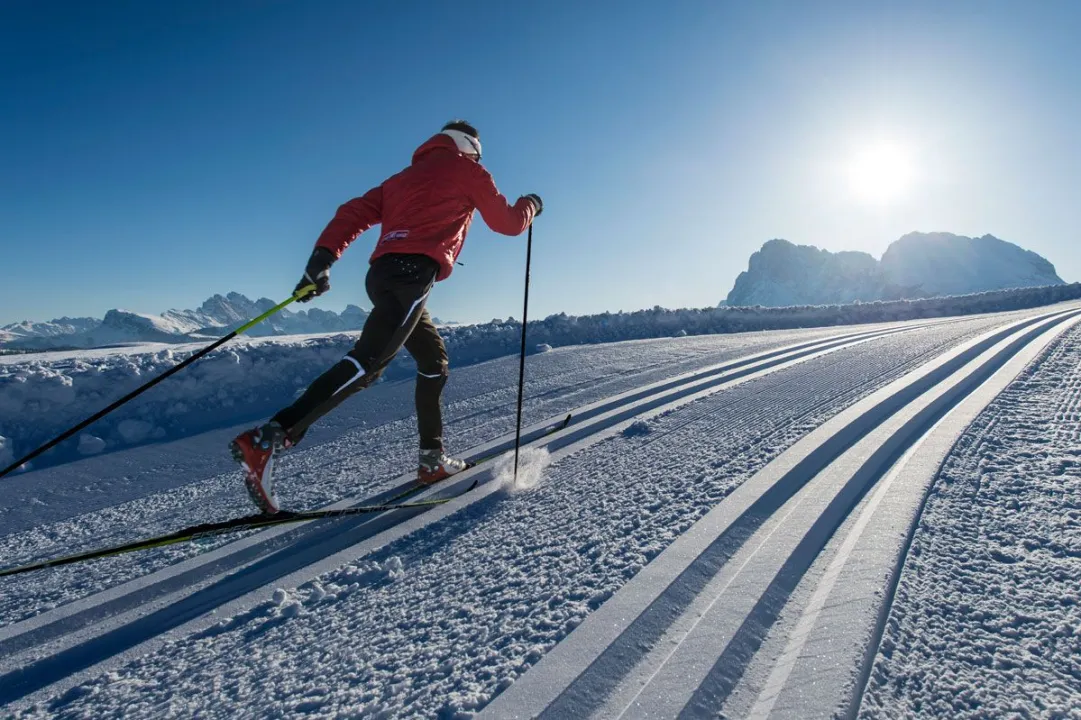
[(152, 154)]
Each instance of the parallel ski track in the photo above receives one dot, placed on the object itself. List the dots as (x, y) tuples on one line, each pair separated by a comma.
[(216, 498), (966, 457), (43, 639), (596, 408), (206, 501), (51, 634), (641, 654)]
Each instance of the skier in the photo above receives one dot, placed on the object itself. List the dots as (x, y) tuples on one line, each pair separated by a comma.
[(425, 211)]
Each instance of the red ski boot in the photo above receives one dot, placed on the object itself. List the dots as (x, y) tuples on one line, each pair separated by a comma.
[(435, 465), (255, 451)]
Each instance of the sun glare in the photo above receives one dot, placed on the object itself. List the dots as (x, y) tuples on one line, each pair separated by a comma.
[(880, 173)]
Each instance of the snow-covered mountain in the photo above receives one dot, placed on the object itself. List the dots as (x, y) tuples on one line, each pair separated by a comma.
[(53, 328), (945, 264), (916, 265), (216, 316), (785, 274)]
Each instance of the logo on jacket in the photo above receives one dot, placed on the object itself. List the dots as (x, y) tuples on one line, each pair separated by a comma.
[(394, 235)]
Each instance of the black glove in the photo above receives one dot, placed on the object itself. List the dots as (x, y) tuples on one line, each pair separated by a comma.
[(317, 273), (538, 206)]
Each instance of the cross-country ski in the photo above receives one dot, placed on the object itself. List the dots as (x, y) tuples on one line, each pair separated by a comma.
[(396, 502)]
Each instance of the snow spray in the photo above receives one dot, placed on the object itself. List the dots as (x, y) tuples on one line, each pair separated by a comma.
[(532, 462)]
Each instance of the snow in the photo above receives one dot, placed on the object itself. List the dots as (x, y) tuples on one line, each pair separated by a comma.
[(824, 646), (371, 438), (532, 463), (90, 444), (450, 612), (60, 326), (987, 613), (7, 454), (41, 395), (214, 317), (681, 633)]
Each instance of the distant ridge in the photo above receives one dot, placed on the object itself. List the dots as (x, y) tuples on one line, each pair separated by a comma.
[(215, 317)]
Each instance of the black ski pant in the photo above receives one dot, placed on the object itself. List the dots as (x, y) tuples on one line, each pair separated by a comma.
[(398, 286)]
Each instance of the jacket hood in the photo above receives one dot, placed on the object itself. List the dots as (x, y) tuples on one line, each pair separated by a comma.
[(435, 142)]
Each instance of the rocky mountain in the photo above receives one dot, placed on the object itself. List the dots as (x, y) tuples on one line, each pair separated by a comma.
[(945, 264), (917, 265), (785, 274), (215, 317)]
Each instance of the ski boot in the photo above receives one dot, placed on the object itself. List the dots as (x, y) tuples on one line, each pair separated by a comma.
[(435, 465), (255, 450)]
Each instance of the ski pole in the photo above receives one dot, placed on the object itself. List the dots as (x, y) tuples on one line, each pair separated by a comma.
[(303, 292), (521, 362)]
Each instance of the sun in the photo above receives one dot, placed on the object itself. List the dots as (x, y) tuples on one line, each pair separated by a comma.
[(880, 173)]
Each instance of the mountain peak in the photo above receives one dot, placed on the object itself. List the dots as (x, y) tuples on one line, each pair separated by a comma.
[(941, 263), (782, 273), (919, 264), (215, 316)]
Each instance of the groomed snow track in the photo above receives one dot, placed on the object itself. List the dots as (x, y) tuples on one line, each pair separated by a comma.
[(680, 638), (56, 645)]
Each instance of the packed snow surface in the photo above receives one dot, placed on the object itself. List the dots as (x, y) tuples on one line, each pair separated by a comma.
[(352, 452), (987, 616), (438, 621)]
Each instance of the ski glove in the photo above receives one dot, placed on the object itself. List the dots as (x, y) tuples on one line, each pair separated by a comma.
[(538, 206), (316, 273)]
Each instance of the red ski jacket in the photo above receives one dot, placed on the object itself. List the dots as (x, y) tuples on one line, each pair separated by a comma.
[(427, 208)]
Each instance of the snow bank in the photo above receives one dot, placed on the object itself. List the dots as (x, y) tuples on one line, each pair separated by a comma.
[(41, 395)]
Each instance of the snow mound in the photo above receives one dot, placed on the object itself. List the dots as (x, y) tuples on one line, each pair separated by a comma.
[(637, 428), (43, 395), (90, 445)]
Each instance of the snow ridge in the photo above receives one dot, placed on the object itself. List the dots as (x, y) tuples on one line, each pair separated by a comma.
[(43, 395)]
